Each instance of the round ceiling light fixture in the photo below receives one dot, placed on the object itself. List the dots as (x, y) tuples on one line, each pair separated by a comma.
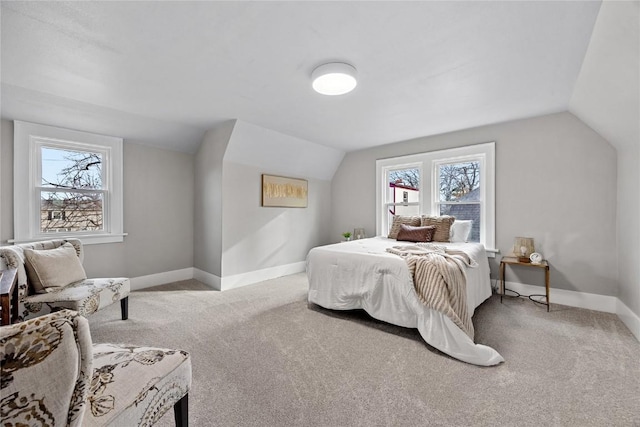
[(335, 78)]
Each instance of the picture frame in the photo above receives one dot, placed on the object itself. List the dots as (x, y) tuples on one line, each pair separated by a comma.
[(284, 192)]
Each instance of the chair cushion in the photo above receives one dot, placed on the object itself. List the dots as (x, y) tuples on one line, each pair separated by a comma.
[(135, 386), (53, 268), (85, 297), (14, 258), (46, 370)]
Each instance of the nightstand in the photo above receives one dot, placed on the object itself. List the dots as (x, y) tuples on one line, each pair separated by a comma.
[(513, 261), (9, 296)]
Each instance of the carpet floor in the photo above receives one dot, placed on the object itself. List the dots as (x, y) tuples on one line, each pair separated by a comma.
[(262, 356)]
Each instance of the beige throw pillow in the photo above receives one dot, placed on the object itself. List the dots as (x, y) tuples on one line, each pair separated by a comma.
[(443, 226), (399, 220), (53, 268)]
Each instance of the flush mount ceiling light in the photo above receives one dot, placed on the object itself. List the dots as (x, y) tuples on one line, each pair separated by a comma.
[(335, 78)]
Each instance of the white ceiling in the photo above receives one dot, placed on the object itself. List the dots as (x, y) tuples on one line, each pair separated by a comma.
[(164, 72), (607, 92)]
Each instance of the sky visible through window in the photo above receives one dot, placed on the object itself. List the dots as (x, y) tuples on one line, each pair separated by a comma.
[(55, 160)]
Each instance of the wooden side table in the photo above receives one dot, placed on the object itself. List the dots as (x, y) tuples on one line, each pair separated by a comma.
[(514, 261), (8, 296)]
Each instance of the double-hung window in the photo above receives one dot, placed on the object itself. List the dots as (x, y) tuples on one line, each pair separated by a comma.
[(402, 190), (458, 192), (66, 184), (459, 182)]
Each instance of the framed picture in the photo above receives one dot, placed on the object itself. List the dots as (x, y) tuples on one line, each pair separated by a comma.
[(283, 192)]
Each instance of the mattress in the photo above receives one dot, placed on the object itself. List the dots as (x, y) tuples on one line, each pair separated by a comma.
[(360, 274)]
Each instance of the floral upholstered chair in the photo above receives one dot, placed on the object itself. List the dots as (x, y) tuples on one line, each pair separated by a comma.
[(53, 375), (51, 277)]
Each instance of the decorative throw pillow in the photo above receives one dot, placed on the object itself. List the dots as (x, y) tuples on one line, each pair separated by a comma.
[(443, 226), (410, 233), (460, 231), (53, 268), (399, 220)]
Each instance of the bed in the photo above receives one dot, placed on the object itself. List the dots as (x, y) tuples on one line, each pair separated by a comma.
[(361, 274)]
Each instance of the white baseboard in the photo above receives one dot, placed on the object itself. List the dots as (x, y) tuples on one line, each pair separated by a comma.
[(243, 279), (596, 302), (249, 278), (142, 282), (629, 318), (230, 282), (606, 303), (207, 278)]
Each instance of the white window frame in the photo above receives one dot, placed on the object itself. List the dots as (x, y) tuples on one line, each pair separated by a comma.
[(385, 186), (28, 140), (429, 191)]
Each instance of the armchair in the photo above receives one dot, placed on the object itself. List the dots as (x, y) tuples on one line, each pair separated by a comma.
[(86, 296), (52, 374)]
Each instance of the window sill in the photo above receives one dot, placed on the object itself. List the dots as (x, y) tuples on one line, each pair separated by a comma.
[(491, 253), (87, 239)]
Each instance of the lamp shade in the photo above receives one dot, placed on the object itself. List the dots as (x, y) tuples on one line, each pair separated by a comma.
[(335, 78), (523, 247)]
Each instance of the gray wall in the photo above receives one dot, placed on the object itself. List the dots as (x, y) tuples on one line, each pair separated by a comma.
[(158, 212), (555, 182), (606, 97), (6, 181), (256, 237), (629, 227), (234, 233), (208, 199)]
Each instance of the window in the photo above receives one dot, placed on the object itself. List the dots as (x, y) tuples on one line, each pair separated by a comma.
[(69, 183), (71, 190), (459, 195), (458, 182), (402, 196)]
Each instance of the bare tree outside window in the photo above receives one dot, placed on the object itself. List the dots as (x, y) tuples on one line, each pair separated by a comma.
[(403, 193), (71, 196), (458, 179), (406, 177), (460, 193)]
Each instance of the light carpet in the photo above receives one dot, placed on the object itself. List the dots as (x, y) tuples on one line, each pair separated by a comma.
[(262, 356)]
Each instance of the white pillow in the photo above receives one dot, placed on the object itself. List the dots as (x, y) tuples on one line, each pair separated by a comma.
[(460, 231), (53, 268)]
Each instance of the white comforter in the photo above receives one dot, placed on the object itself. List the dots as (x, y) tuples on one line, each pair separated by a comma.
[(361, 274)]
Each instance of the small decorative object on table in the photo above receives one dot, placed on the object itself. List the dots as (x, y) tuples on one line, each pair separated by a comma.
[(358, 233), (347, 235), (535, 258), (523, 248)]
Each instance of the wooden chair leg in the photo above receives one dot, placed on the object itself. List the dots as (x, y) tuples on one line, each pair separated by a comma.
[(181, 411), (124, 308)]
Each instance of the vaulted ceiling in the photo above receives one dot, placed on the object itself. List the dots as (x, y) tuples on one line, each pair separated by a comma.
[(164, 72)]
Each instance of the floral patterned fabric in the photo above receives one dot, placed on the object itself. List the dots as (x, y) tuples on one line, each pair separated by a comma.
[(57, 345), (162, 377), (85, 297), (53, 375)]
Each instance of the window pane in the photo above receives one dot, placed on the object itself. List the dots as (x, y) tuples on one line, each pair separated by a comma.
[(465, 211), (71, 169), (404, 210), (459, 181), (404, 186), (69, 211)]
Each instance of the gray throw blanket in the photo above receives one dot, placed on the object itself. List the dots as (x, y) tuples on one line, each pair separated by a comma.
[(440, 279)]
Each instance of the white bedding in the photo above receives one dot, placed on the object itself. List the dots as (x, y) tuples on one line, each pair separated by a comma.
[(361, 274)]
